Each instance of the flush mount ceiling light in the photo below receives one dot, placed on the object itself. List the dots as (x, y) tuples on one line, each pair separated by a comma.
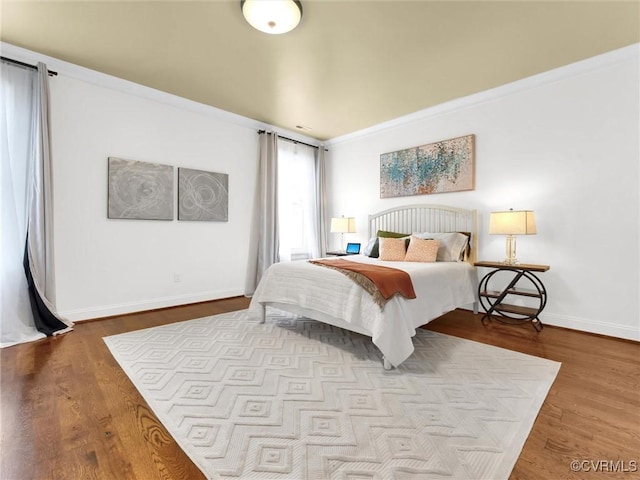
[(272, 16)]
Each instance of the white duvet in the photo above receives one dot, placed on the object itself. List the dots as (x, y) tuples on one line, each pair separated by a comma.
[(325, 294)]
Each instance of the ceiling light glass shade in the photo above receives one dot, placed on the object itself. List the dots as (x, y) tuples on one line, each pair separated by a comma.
[(272, 16)]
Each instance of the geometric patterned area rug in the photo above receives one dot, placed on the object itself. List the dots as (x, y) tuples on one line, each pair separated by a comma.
[(297, 399)]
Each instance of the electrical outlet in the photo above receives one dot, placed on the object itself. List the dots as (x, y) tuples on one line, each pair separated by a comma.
[(177, 278)]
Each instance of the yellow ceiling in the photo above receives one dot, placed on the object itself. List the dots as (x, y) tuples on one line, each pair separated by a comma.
[(349, 64)]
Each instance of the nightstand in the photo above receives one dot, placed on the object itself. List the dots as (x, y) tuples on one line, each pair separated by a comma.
[(494, 302)]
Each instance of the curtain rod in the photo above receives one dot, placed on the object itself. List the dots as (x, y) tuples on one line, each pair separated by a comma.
[(291, 140), (22, 64)]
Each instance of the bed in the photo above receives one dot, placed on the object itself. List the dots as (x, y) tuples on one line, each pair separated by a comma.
[(328, 296)]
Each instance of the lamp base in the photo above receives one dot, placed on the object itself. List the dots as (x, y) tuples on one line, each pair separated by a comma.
[(511, 251), (511, 261)]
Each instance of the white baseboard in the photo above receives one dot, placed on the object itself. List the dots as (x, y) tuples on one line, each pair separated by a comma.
[(91, 313), (593, 326), (565, 321), (581, 324)]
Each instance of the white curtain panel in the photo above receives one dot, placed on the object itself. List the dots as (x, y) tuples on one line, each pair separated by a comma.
[(289, 186), (40, 224), (27, 302), (299, 193), (321, 201), (40, 268), (40, 241), (17, 129), (264, 229), (289, 219)]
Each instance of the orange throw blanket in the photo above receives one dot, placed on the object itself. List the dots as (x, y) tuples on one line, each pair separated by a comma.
[(380, 282)]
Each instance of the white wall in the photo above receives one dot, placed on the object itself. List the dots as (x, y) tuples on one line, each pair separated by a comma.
[(564, 144), (106, 266)]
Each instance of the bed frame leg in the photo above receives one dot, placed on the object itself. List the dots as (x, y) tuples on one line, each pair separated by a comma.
[(386, 364), (475, 307)]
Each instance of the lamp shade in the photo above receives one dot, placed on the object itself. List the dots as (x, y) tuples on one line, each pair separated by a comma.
[(519, 222), (272, 16), (343, 225)]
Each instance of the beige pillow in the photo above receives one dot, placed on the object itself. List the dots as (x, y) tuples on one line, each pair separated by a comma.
[(422, 250), (392, 249)]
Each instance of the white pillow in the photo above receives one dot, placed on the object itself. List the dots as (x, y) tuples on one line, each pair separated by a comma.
[(452, 245), (369, 246)]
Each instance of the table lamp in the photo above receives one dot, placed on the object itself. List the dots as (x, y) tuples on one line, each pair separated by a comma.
[(510, 223), (343, 225)]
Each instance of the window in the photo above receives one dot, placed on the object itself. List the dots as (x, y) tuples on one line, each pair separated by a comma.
[(297, 211)]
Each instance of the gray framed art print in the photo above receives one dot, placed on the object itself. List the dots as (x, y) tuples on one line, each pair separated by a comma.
[(140, 190), (202, 195)]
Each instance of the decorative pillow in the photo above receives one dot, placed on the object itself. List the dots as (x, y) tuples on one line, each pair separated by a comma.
[(373, 241), (420, 250), (375, 250), (392, 249), (387, 234), (467, 248), (452, 245)]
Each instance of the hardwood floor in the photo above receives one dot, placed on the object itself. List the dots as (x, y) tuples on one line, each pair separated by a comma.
[(69, 412)]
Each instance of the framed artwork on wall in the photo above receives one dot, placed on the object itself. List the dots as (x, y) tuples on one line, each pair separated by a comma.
[(139, 190), (445, 166), (202, 195)]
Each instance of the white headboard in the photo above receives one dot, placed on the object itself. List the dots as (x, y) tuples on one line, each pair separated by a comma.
[(428, 218)]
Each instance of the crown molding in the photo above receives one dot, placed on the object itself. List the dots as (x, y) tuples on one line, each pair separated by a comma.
[(535, 81), (94, 77), (108, 81)]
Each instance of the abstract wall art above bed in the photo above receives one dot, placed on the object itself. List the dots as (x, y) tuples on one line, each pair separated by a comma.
[(203, 195), (446, 166), (140, 190)]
